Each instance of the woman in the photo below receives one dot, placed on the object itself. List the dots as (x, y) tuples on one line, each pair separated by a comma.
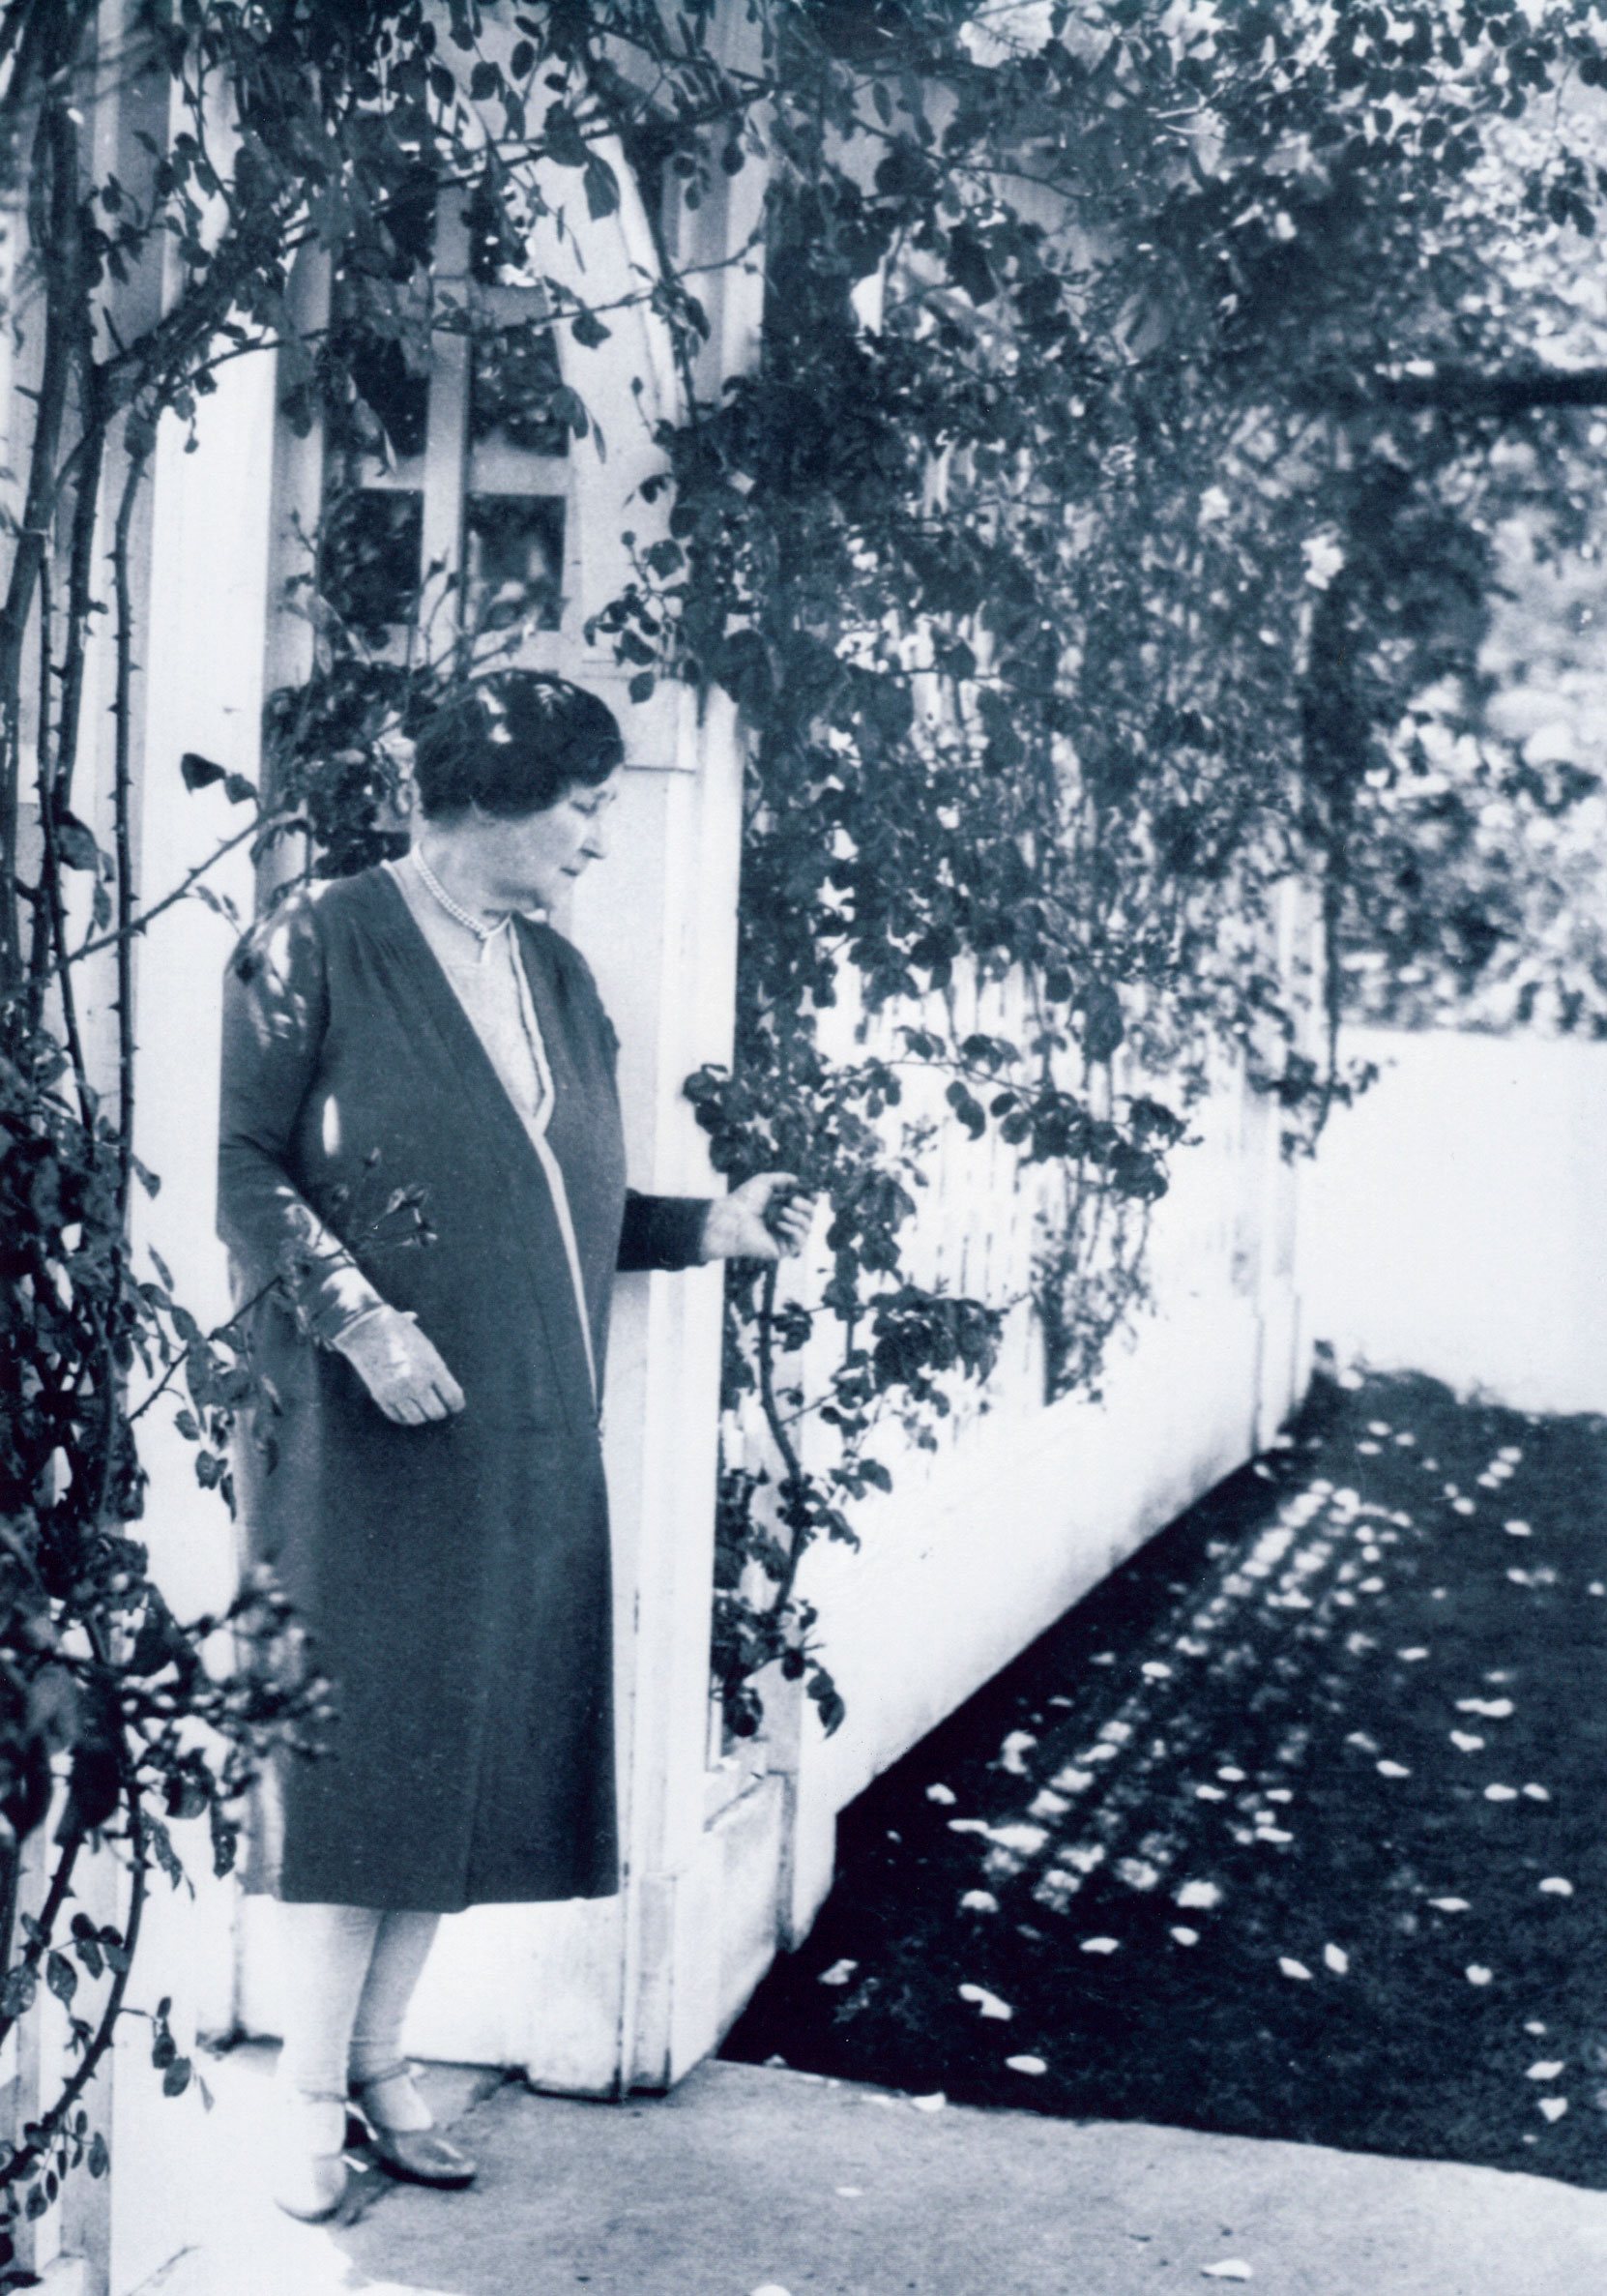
[(416, 1046)]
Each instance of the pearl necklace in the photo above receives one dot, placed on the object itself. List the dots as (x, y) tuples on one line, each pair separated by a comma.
[(483, 933)]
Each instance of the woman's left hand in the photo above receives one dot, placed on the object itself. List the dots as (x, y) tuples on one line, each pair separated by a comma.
[(761, 1219)]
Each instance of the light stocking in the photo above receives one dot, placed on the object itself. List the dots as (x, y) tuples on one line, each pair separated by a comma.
[(328, 1950), (400, 1950), (354, 1971)]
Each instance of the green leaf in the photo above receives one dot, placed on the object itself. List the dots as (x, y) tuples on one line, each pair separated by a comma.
[(742, 664), (199, 772), (603, 188), (155, 1642), (60, 1976), (905, 172), (161, 1848), (567, 406), (827, 1698), (588, 330), (968, 265), (75, 842), (226, 1839), (1103, 1027), (17, 1994), (564, 140)]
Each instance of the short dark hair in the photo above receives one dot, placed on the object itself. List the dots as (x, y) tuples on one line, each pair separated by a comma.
[(512, 744)]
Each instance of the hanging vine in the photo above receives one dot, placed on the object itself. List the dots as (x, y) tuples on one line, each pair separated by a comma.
[(1075, 570)]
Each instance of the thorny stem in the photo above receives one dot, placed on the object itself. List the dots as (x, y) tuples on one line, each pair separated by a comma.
[(50, 874), (23, 2162), (65, 958), (123, 801), (39, 1942), (179, 892), (55, 227), (79, 605), (122, 798), (9, 1888), (782, 1439), (55, 770), (208, 1339), (61, 969)]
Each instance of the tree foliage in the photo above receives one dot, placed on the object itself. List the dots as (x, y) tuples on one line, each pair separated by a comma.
[(1106, 540)]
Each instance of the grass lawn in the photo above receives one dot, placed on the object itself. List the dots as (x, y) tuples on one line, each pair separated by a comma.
[(1294, 1829)]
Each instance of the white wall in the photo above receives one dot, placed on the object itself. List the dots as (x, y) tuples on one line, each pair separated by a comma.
[(201, 690), (982, 1547), (1454, 1219)]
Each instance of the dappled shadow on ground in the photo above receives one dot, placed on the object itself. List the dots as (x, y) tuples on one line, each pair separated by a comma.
[(1294, 1829)]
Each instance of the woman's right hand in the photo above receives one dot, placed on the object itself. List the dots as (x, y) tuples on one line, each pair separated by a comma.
[(402, 1370)]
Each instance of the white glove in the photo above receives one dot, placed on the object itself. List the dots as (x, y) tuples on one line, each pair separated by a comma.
[(401, 1370)]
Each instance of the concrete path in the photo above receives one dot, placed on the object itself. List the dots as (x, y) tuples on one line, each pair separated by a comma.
[(753, 2181)]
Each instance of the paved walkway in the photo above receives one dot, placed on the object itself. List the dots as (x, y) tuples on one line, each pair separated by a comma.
[(753, 2181)]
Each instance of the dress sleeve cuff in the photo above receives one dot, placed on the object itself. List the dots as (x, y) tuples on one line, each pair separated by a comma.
[(661, 1232), (342, 1297)]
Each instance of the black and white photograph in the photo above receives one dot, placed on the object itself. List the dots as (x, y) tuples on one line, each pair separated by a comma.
[(803, 1101)]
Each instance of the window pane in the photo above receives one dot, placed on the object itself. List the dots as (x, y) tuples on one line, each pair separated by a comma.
[(514, 551), (497, 233), (392, 396), (408, 218), (512, 375), (373, 547), (377, 392)]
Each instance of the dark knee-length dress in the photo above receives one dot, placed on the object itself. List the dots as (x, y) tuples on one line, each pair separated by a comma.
[(454, 1576)]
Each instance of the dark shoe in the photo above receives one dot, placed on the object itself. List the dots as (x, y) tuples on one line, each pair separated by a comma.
[(422, 2157), (418, 2156)]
